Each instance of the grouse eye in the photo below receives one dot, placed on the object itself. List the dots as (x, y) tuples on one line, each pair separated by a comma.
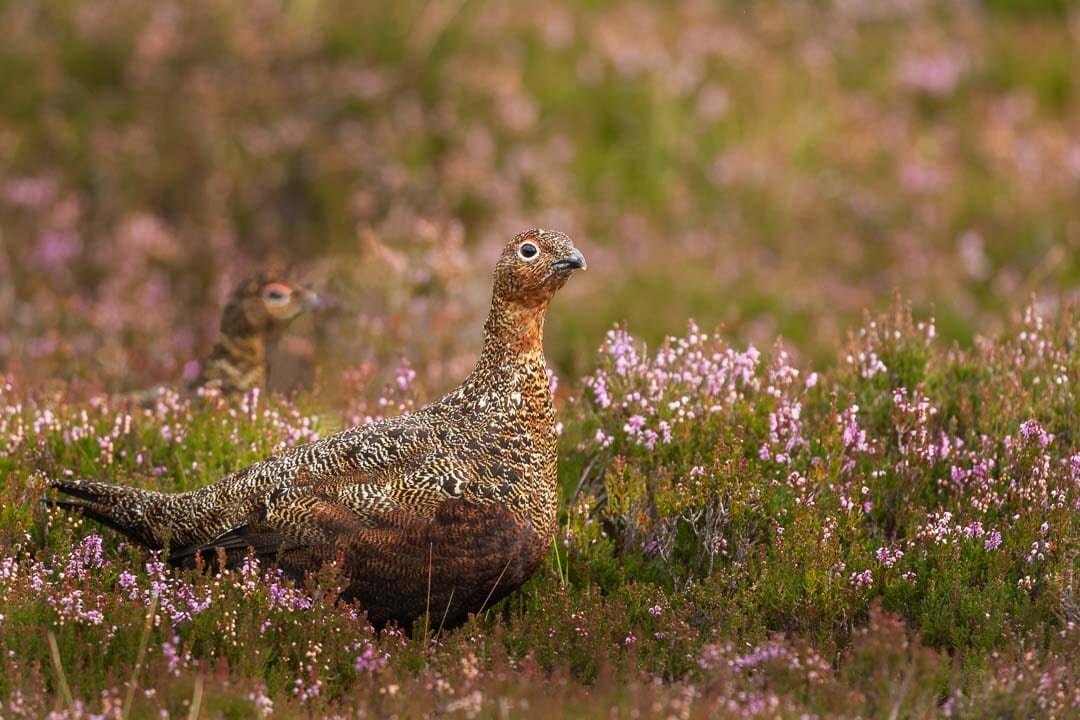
[(528, 251), (276, 294)]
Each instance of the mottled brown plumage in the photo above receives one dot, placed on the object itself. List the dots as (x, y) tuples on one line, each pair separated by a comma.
[(257, 311), (445, 509)]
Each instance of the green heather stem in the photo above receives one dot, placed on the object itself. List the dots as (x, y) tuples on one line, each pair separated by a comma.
[(144, 640), (61, 678)]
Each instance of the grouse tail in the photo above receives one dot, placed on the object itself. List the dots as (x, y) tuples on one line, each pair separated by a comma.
[(122, 508)]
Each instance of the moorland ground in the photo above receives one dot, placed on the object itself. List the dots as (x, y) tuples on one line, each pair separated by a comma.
[(877, 516)]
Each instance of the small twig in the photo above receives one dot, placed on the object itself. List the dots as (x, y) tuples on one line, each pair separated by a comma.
[(497, 580), (446, 612), (558, 561), (905, 686), (427, 607), (144, 640), (196, 700), (61, 679), (584, 476)]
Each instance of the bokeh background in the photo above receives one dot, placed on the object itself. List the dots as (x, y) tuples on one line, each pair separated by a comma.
[(776, 167)]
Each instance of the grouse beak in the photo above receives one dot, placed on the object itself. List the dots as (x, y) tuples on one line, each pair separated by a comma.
[(574, 261), (311, 300)]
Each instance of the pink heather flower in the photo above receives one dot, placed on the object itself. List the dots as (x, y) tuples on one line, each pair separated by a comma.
[(853, 437), (939, 528), (711, 657), (29, 192), (636, 430), (404, 375), (993, 540), (869, 364), (768, 653), (38, 580), (56, 248), (171, 655), (863, 579), (127, 581), (286, 597), (1038, 551), (370, 660), (598, 384), (249, 573), (656, 610), (889, 557), (974, 530), (1032, 431), (917, 176), (971, 249), (87, 556), (937, 75), (781, 374), (958, 475), (687, 378), (619, 345), (263, 704), (305, 692), (602, 439), (916, 438), (9, 568), (785, 432)]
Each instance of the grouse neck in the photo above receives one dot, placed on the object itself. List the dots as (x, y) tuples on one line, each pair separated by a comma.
[(247, 352), (513, 333)]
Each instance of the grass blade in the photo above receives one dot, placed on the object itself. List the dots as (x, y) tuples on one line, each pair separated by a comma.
[(196, 700), (144, 640), (61, 678)]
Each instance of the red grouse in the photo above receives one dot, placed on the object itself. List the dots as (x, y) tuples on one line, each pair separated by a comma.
[(257, 311), (445, 510)]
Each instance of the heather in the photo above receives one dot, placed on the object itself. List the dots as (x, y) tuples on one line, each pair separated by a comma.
[(816, 498), (775, 166), (739, 536)]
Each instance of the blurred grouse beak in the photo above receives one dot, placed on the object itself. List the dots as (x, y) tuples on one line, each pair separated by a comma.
[(573, 261), (311, 301)]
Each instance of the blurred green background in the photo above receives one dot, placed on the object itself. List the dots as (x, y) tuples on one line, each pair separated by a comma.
[(777, 167)]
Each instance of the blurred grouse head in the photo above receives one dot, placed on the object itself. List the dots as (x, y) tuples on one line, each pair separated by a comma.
[(263, 304), (257, 311)]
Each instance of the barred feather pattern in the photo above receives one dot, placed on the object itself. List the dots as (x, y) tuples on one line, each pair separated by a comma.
[(441, 510)]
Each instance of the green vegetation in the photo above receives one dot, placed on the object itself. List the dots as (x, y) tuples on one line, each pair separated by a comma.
[(738, 536), (877, 516)]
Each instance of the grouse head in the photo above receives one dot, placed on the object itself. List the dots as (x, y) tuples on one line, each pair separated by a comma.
[(533, 266), (264, 304)]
